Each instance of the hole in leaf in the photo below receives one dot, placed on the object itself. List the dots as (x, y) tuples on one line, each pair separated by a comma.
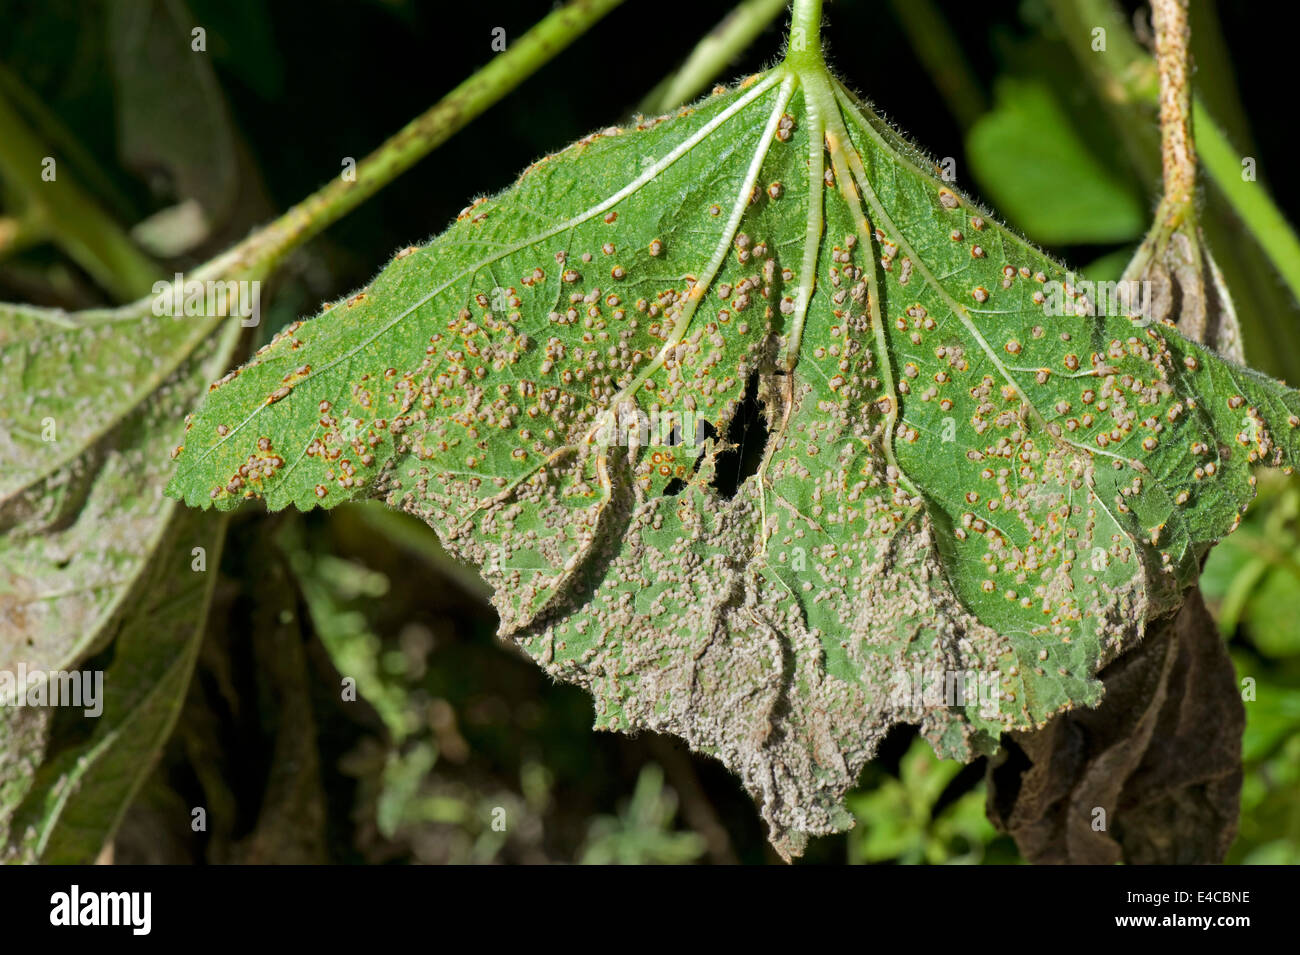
[(1007, 777), (747, 440), (705, 433), (892, 749)]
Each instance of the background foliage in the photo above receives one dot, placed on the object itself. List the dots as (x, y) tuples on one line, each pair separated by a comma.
[(455, 725)]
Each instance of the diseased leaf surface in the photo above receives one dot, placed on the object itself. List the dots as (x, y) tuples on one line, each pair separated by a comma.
[(85, 372), (77, 539), (956, 480), (91, 552), (67, 786)]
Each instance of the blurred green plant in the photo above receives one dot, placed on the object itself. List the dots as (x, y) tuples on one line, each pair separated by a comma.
[(642, 832), (1252, 579), (1252, 583), (1031, 158), (902, 820)]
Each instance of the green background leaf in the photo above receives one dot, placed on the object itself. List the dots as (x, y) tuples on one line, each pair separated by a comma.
[(1028, 156)]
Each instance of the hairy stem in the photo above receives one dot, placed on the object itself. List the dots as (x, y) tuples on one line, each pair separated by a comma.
[(805, 50), (1126, 77), (1177, 151)]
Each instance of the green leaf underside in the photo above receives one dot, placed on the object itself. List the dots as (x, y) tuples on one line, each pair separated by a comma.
[(93, 553), (76, 541), (87, 371), (70, 785), (955, 480)]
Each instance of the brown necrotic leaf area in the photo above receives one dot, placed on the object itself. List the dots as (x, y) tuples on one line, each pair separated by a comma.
[(1160, 759)]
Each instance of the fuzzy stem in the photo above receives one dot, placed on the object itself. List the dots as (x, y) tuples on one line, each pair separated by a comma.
[(1177, 150), (805, 52), (1126, 79)]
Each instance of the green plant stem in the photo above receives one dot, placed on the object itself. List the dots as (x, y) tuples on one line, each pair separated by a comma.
[(1177, 147), (1123, 77), (805, 52), (63, 142), (265, 249), (18, 233), (256, 257), (1127, 77), (69, 213), (1249, 200), (1211, 58), (733, 34), (942, 57)]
